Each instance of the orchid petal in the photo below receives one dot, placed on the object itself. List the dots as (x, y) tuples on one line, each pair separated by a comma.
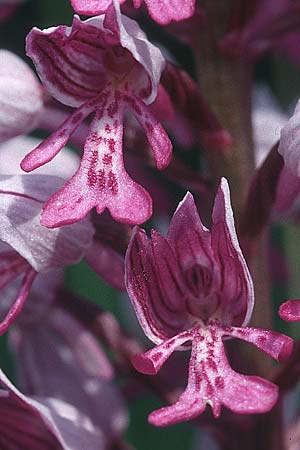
[(238, 287), (21, 97), (158, 320), (21, 203), (14, 150)]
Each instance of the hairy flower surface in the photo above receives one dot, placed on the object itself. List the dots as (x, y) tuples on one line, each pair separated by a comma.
[(194, 285), (21, 96), (103, 65), (162, 11)]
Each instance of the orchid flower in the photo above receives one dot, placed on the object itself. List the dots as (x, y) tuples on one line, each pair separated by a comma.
[(27, 247), (163, 12), (103, 65), (21, 97), (194, 286), (62, 406)]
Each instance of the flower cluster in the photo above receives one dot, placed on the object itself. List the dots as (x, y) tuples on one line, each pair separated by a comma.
[(128, 105)]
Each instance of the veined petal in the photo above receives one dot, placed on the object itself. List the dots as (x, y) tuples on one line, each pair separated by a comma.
[(101, 180), (21, 97), (237, 286), (189, 238), (22, 197), (158, 319), (70, 60), (290, 311)]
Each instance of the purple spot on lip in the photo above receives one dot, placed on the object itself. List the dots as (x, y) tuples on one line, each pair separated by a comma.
[(219, 382), (101, 179), (107, 159), (157, 356), (112, 183)]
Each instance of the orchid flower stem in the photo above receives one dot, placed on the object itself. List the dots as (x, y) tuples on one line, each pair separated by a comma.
[(226, 84)]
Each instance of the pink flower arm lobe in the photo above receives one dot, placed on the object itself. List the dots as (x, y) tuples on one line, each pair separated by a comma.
[(156, 135), (290, 311), (50, 147)]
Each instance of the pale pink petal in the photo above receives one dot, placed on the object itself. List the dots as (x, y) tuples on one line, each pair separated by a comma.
[(21, 97), (290, 311), (48, 367), (101, 179), (22, 197), (48, 423), (237, 293), (14, 150)]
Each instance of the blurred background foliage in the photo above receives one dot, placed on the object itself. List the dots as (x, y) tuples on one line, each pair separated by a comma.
[(283, 79)]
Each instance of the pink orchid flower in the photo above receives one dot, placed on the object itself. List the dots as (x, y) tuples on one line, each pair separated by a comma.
[(103, 65), (194, 286), (21, 97), (26, 247), (163, 12)]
